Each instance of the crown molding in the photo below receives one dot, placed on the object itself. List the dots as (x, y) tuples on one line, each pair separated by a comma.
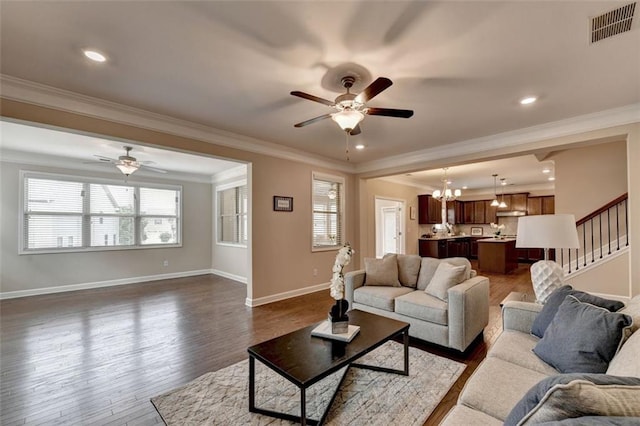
[(46, 96), (584, 123), (17, 89), (234, 173)]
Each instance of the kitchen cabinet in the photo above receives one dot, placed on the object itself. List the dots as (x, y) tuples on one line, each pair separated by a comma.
[(490, 212), (467, 212), (444, 247), (548, 204), (429, 210), (497, 255), (478, 212), (473, 247), (507, 199), (519, 201), (455, 212)]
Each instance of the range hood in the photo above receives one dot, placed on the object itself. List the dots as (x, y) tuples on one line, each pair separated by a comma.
[(511, 213)]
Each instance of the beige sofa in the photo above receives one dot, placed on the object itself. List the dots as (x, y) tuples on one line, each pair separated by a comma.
[(454, 319), (511, 368)]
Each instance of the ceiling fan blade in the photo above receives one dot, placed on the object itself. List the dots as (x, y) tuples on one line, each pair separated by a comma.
[(373, 89), (356, 131), (312, 98), (102, 162), (103, 158), (312, 120), (152, 169), (389, 112)]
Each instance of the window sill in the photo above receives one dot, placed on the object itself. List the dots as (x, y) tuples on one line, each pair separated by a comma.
[(96, 249)]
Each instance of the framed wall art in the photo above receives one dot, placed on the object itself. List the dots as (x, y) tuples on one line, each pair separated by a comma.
[(476, 231), (282, 204)]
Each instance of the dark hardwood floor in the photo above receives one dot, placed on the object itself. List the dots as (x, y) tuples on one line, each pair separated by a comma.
[(98, 356)]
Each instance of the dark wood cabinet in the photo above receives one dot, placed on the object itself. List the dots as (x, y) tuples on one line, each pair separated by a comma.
[(467, 212), (490, 212), (507, 199), (478, 212), (445, 247), (519, 202), (548, 204), (473, 247), (455, 212), (429, 210), (534, 206)]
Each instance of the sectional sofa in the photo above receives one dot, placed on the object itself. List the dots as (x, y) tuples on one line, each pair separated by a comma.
[(514, 386)]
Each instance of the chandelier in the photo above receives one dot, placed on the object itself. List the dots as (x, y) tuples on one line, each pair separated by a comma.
[(446, 194)]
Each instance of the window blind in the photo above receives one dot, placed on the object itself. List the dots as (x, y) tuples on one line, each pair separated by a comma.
[(327, 215), (232, 215), (79, 213)]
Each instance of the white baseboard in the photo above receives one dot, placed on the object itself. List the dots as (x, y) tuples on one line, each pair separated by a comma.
[(234, 277), (98, 284), (252, 303)]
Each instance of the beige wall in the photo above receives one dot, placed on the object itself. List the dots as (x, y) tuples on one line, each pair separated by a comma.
[(36, 271), (589, 177), (609, 279), (369, 190), (281, 256)]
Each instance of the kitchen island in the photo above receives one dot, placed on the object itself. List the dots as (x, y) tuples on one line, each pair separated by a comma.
[(445, 246), (497, 255)]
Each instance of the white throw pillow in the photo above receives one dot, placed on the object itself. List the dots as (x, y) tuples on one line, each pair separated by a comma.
[(445, 277), (381, 272)]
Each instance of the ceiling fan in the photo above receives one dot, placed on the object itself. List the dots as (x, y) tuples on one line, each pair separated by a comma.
[(352, 108), (128, 164)]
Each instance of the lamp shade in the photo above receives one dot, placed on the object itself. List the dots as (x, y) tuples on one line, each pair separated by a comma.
[(547, 231), (347, 119)]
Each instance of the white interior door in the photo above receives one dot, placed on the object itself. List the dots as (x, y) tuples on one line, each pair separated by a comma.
[(389, 226)]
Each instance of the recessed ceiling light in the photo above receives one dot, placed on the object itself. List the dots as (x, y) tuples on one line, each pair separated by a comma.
[(503, 183), (465, 187), (552, 178), (359, 146), (545, 170), (528, 100), (94, 55)]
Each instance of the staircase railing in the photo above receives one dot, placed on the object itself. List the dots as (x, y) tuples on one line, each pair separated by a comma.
[(601, 234)]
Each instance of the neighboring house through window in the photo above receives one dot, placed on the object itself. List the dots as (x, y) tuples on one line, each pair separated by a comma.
[(232, 213), (75, 213), (328, 211)]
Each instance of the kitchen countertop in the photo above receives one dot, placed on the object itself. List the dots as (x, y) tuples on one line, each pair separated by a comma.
[(445, 238), (496, 240)]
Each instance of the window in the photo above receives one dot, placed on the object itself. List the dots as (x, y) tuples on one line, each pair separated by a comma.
[(232, 213), (74, 213), (328, 218)]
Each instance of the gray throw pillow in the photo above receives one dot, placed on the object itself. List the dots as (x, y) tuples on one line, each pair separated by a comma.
[(555, 299), (566, 396), (381, 272), (582, 338), (446, 276), (408, 269)]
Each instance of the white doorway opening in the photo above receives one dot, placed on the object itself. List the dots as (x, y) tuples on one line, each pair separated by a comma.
[(390, 226)]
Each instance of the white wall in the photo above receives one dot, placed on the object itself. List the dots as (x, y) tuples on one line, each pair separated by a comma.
[(33, 273)]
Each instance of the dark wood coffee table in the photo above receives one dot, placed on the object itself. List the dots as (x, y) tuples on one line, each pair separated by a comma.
[(304, 359)]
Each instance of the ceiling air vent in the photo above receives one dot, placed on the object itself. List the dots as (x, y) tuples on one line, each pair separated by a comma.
[(613, 22)]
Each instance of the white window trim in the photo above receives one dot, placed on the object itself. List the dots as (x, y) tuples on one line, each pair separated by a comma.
[(75, 178), (341, 214), (220, 188)]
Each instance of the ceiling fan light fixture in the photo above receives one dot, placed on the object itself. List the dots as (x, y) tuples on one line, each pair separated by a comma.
[(347, 119), (127, 167)]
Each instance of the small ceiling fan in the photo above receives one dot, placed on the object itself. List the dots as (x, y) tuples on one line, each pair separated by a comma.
[(352, 108), (127, 164)]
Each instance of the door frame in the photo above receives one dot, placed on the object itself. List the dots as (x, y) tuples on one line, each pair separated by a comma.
[(379, 203)]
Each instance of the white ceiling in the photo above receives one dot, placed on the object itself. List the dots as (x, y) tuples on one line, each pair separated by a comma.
[(461, 66)]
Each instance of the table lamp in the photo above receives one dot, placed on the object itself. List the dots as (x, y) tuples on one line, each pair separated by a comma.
[(547, 231)]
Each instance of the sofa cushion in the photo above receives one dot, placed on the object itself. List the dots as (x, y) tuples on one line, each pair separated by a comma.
[(574, 395), (420, 305), (626, 363), (461, 415), (496, 387), (428, 266), (582, 338), (379, 297), (446, 276), (595, 421), (632, 309), (408, 269), (381, 272), (556, 298), (516, 347)]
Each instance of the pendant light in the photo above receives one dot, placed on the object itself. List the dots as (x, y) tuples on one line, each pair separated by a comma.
[(495, 202), (502, 204)]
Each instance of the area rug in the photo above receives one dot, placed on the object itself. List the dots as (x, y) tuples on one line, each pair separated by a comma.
[(366, 397)]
